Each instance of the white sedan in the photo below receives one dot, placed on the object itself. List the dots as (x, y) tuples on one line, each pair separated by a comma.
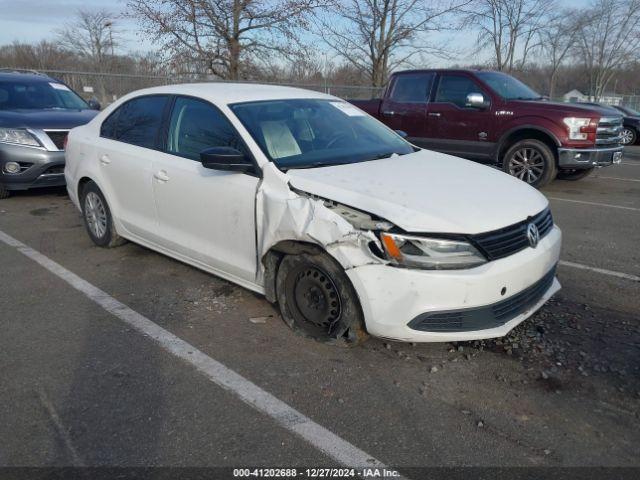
[(306, 199)]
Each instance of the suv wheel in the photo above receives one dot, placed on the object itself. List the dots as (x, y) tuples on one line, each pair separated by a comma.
[(574, 174), (531, 161), (4, 193), (628, 136), (97, 217), (316, 299)]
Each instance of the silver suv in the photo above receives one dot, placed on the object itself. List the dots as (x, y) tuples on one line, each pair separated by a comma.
[(36, 114)]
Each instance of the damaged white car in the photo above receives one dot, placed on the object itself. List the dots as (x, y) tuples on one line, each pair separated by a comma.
[(306, 199)]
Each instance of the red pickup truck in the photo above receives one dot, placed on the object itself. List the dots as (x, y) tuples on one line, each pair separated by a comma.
[(492, 117)]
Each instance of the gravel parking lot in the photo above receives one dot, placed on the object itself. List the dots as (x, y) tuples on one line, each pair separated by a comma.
[(82, 387)]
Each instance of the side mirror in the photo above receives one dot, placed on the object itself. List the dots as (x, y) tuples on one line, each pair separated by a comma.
[(402, 133), (476, 100), (94, 104), (225, 158)]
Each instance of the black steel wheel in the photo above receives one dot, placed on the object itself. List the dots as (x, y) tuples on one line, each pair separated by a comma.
[(4, 192), (316, 299)]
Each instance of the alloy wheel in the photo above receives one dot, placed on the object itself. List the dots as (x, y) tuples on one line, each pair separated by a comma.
[(527, 164), (626, 136), (95, 214)]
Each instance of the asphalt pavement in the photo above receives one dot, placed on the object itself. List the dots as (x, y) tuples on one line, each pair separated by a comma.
[(85, 382)]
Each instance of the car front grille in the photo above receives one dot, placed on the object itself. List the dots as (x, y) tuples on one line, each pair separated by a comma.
[(54, 170), (509, 240), (57, 137), (24, 166), (608, 132), (490, 316)]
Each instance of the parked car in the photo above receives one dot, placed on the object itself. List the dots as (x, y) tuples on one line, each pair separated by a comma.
[(36, 114), (306, 199), (492, 117), (631, 125)]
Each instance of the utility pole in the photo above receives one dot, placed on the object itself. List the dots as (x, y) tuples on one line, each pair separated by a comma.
[(109, 25)]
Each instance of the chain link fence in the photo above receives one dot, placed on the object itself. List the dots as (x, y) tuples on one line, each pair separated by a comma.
[(630, 101), (108, 87)]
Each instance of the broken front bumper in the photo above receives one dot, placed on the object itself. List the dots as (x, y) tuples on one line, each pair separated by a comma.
[(396, 300)]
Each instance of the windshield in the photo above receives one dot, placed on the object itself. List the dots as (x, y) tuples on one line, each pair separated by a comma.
[(309, 133), (15, 95), (508, 87), (629, 111)]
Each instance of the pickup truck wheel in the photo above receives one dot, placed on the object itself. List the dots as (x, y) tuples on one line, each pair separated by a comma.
[(628, 136), (532, 161), (574, 174), (97, 217), (4, 193), (317, 300)]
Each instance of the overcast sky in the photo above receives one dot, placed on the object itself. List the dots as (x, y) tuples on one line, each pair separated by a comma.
[(35, 20)]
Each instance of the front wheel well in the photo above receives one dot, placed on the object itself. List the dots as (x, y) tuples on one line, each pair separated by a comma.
[(271, 261), (527, 134)]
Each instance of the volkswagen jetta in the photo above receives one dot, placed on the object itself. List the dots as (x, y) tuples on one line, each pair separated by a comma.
[(308, 200)]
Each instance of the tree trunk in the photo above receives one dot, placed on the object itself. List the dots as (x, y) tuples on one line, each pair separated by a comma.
[(234, 60), (552, 84)]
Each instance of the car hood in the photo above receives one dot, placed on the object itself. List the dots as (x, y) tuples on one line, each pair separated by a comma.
[(574, 109), (45, 119), (426, 192)]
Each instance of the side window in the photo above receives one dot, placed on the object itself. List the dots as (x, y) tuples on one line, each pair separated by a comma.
[(108, 127), (412, 88), (455, 88), (137, 122), (197, 125)]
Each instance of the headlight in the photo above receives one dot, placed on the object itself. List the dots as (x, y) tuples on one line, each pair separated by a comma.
[(430, 253), (576, 126), (18, 136)]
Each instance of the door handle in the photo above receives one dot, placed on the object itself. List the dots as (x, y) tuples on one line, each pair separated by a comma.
[(161, 175), (389, 112), (435, 114), (105, 160)]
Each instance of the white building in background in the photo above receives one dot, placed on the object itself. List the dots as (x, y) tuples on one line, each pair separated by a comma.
[(577, 96)]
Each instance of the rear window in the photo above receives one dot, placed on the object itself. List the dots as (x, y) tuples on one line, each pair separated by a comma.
[(413, 88), (136, 122), (38, 95)]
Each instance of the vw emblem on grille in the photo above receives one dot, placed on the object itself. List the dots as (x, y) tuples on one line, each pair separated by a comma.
[(533, 235)]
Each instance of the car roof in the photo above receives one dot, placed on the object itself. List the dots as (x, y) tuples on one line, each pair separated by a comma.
[(228, 93), (8, 75), (445, 70)]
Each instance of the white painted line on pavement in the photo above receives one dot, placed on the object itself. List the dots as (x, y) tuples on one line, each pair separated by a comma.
[(633, 164), (288, 417), (620, 178), (604, 271), (608, 205)]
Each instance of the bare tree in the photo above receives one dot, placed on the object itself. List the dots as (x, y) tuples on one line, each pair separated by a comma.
[(92, 35), (608, 41), (376, 36), (509, 28), (558, 39), (222, 35)]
